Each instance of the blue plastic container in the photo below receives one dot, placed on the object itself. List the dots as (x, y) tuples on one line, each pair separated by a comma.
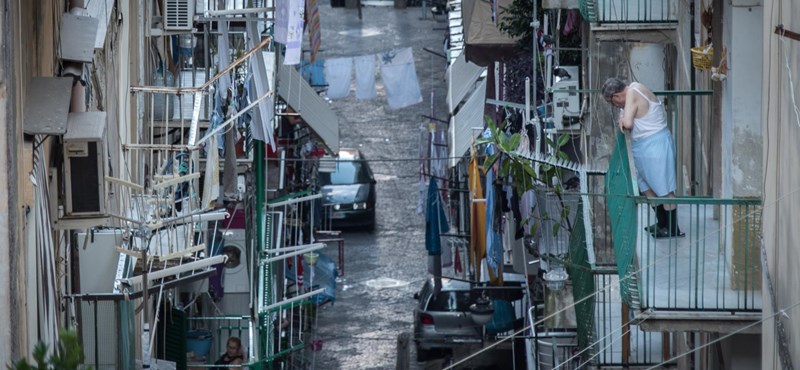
[(199, 342)]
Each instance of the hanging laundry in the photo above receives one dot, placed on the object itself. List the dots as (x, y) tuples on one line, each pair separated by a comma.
[(572, 23), (435, 221), (424, 149), (259, 83), (289, 25), (400, 78), (494, 244), (365, 77), (457, 268), (281, 21), (299, 272), (211, 183), (229, 182), (477, 216), (314, 32), (447, 255), (224, 59), (339, 73), (313, 72)]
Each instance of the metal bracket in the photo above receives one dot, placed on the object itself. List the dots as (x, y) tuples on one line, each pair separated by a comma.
[(779, 30)]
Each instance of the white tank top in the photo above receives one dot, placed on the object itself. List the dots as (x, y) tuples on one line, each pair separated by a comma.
[(652, 122)]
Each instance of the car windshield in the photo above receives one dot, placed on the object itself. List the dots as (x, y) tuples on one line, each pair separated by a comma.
[(450, 301), (347, 172)]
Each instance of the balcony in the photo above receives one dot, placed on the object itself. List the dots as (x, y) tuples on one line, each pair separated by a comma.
[(633, 11), (709, 280)]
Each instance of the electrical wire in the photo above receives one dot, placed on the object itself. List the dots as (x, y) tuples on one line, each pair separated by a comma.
[(790, 79), (728, 335), (389, 160), (571, 306)]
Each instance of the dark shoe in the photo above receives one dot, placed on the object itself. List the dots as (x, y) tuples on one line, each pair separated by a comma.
[(664, 233), (660, 216)]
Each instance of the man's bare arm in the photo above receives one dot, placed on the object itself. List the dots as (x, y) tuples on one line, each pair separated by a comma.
[(629, 112)]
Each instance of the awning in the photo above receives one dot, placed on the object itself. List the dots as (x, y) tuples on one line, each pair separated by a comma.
[(485, 43), (461, 124), (315, 111), (461, 76)]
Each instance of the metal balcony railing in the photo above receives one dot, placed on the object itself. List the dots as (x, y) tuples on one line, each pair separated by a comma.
[(685, 110), (715, 267), (557, 351), (607, 336), (220, 329), (630, 11), (617, 340)]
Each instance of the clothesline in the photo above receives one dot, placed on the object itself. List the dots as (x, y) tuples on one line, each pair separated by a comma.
[(370, 160), (397, 70)]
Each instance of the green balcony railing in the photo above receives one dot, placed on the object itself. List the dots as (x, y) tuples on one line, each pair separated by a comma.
[(688, 115), (630, 11), (606, 334), (715, 267), (221, 328), (685, 110), (619, 341)]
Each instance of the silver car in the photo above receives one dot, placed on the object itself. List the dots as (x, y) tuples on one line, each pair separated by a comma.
[(443, 319)]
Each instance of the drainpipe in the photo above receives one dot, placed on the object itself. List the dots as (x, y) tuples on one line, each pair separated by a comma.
[(535, 26), (716, 101), (693, 108), (261, 186)]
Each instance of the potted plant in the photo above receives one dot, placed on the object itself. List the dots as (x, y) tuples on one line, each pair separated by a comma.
[(555, 209), (67, 356)]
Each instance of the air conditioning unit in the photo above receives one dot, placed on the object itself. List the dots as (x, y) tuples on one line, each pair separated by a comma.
[(566, 99), (178, 15), (84, 164)]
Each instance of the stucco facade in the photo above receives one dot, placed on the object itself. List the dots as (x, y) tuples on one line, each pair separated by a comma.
[(781, 176)]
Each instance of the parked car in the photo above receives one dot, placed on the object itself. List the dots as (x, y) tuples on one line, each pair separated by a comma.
[(442, 318), (348, 193)]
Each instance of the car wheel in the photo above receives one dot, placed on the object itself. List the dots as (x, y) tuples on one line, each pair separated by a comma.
[(371, 225), (424, 354), (429, 354)]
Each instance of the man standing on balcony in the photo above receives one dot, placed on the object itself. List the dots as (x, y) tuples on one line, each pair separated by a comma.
[(653, 151)]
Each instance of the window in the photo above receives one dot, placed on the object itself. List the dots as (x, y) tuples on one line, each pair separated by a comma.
[(347, 172), (450, 301)]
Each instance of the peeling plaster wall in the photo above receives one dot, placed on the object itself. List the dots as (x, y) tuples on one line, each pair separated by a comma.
[(744, 113), (781, 171), (29, 37), (640, 61), (7, 112)]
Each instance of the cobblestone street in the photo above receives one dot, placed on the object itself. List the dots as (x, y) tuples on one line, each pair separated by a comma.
[(360, 330)]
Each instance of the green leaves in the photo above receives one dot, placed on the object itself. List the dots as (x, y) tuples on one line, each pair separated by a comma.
[(489, 162), (521, 174), (68, 356)]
